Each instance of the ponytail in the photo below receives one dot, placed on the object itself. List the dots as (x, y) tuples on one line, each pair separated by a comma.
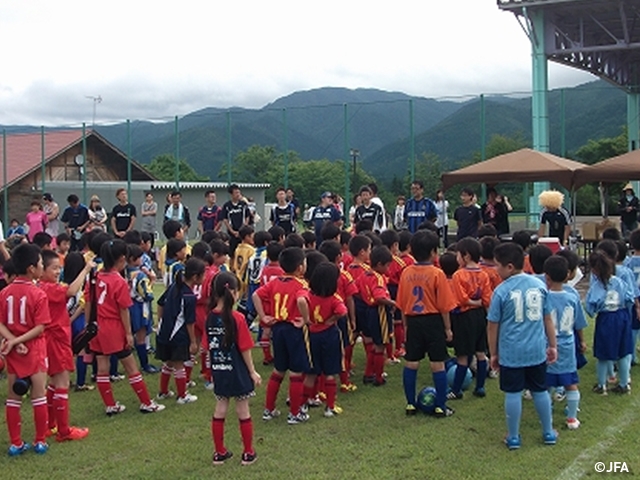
[(601, 266), (224, 285)]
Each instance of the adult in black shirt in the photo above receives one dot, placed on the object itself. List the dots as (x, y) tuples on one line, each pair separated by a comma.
[(559, 220), (369, 210), (123, 215), (284, 213), (76, 219), (495, 213), (628, 207), (468, 216), (235, 213), (291, 198)]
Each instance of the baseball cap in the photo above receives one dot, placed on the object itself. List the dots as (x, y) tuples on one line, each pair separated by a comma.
[(326, 194), (48, 197)]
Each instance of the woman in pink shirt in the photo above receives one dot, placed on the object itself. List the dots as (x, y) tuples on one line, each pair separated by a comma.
[(36, 220)]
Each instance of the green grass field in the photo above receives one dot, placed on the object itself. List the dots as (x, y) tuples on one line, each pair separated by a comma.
[(372, 438)]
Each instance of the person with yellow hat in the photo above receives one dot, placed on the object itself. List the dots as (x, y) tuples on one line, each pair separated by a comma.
[(628, 207)]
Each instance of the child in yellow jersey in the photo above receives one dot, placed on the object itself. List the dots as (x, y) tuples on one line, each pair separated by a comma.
[(243, 253), (172, 229)]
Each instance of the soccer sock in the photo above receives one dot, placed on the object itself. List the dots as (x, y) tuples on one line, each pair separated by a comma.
[(378, 365), (348, 357), (266, 354), (389, 350), (81, 371), (344, 377), (440, 381), (61, 404), (141, 349), (398, 333), (481, 374), (320, 385), (113, 365), (307, 393), (51, 409), (602, 368), (573, 400), (610, 369), (369, 370), (331, 388), (217, 431), (296, 389), (273, 386), (188, 367), (458, 379), (138, 385), (542, 402), (203, 365), (165, 376), (104, 387), (180, 376), (409, 381), (513, 410), (246, 432), (14, 420), (40, 418), (624, 370)]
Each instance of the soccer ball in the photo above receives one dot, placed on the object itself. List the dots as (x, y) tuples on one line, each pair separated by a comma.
[(451, 374), (426, 401)]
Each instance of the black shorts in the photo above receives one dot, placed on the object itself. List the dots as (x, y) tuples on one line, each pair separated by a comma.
[(425, 335), (121, 355), (514, 379), (469, 332), (168, 352), (378, 325)]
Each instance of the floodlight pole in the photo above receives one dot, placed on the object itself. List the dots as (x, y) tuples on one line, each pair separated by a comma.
[(286, 147), (354, 153), (43, 171), (5, 188), (129, 159), (347, 187), (84, 163)]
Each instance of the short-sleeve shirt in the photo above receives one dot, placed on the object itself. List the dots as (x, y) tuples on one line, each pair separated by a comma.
[(75, 217), (417, 211), (148, 222), (567, 314), (468, 219), (23, 306), (373, 212), (519, 306), (346, 286), (557, 220), (112, 295), (179, 310), (236, 213), (60, 326), (492, 272), (284, 217), (395, 270), (471, 284), (372, 287), (321, 309), (270, 271), (424, 290), (123, 215), (280, 297), (633, 264), (615, 295), (209, 217), (37, 221), (322, 215)]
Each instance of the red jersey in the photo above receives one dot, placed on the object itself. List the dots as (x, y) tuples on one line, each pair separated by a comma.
[(372, 287), (112, 295), (424, 290), (60, 326), (492, 272), (346, 286), (347, 259), (395, 269), (270, 271), (322, 309), (357, 269), (471, 284), (203, 294), (407, 258), (280, 297)]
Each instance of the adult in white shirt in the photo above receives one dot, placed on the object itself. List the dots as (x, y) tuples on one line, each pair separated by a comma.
[(442, 220), (375, 199)]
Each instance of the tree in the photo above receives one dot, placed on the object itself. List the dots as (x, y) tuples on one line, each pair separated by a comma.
[(163, 167), (501, 144)]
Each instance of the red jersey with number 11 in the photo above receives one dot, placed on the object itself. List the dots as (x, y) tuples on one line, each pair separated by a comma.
[(280, 297)]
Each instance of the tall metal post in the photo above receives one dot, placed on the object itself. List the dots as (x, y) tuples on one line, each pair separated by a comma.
[(285, 138), (412, 136), (84, 163), (43, 171), (229, 147), (129, 159), (177, 138), (563, 124), (483, 144), (5, 189), (633, 125), (347, 186)]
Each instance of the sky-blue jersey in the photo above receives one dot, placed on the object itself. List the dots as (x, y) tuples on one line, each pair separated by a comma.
[(625, 274), (567, 315), (519, 305), (614, 296), (633, 264), (541, 277)]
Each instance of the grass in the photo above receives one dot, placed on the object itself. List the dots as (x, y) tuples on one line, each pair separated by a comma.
[(372, 439)]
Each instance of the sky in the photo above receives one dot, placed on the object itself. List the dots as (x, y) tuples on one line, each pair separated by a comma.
[(153, 60)]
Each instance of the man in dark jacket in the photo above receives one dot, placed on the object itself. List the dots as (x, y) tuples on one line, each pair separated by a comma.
[(628, 209)]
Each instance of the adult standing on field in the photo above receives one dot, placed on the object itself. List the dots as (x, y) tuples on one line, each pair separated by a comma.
[(123, 215), (149, 210), (324, 213), (376, 199), (369, 210), (283, 214), (495, 211), (209, 213), (291, 198), (419, 208), (52, 210), (76, 219), (628, 207), (235, 214), (176, 210)]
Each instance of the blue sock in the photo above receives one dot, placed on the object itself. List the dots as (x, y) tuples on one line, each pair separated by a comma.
[(481, 374), (513, 410), (458, 379), (440, 382), (542, 402), (81, 371), (409, 380), (624, 370), (635, 334), (143, 355), (610, 370), (602, 368), (113, 365), (573, 401)]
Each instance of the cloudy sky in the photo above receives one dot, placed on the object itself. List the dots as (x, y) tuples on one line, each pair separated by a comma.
[(148, 60)]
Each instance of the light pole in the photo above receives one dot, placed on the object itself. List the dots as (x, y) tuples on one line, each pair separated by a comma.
[(96, 101), (354, 155)]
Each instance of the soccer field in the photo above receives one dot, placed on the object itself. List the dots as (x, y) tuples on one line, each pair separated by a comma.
[(372, 438)]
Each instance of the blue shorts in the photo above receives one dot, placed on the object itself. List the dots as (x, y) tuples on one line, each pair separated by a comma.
[(635, 322), (612, 338), (378, 325), (345, 331), (516, 379), (562, 379), (361, 314), (77, 325), (291, 349), (326, 351), (138, 321)]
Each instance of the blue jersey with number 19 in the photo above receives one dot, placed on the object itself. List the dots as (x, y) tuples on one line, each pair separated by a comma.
[(519, 306), (567, 315)]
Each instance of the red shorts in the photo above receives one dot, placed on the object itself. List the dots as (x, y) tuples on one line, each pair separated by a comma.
[(60, 356), (199, 326), (111, 338), (35, 361)]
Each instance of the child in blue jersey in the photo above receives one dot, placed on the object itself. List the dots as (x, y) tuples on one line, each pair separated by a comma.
[(633, 264), (254, 270), (174, 263), (537, 256), (521, 341), (610, 299), (567, 316)]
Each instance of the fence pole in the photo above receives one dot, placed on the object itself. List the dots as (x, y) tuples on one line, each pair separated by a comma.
[(228, 147), (563, 125), (177, 137), (347, 159), (412, 137), (43, 171), (483, 144), (5, 193), (129, 159), (285, 137), (84, 163)]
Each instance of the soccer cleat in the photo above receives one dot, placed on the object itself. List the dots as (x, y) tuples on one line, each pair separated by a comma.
[(51, 432), (455, 396), (513, 443), (332, 412), (550, 438), (527, 395), (368, 380), (15, 450), (392, 361), (304, 408), (379, 383), (443, 412), (191, 384), (208, 386), (115, 409), (493, 374), (248, 458), (116, 378), (40, 448), (316, 401), (151, 369), (75, 433), (573, 423), (297, 419), (188, 398), (270, 414), (164, 396), (560, 395), (84, 388), (348, 387), (479, 392), (626, 390), (599, 389), (410, 410), (153, 407), (220, 458)]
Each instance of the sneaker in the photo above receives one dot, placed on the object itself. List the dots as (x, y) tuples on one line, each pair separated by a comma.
[(51, 432), (560, 395), (208, 386), (368, 380), (479, 392), (40, 448), (151, 369), (527, 395), (15, 450), (455, 396), (550, 438), (116, 378), (153, 407), (270, 414), (573, 423), (391, 361), (379, 383), (188, 398), (513, 443), (191, 384), (332, 412), (249, 458), (84, 388), (297, 419), (443, 412), (626, 390), (410, 410), (220, 458), (164, 396), (75, 433), (612, 380), (305, 408), (116, 409), (493, 374), (315, 402), (599, 389)]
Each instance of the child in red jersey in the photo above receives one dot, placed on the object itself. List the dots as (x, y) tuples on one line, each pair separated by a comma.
[(391, 240), (347, 258), (277, 305), (111, 294), (59, 353), (270, 271), (24, 314), (377, 325), (324, 307), (487, 263)]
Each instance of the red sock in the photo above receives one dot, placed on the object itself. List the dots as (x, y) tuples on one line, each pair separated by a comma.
[(344, 377), (266, 354), (104, 387), (246, 431), (51, 409), (180, 377), (138, 385), (307, 393), (321, 384), (398, 333), (14, 420), (165, 376), (217, 431), (389, 350), (348, 357), (40, 418), (296, 389), (188, 367), (203, 364), (61, 404), (331, 389), (273, 386), (369, 370), (378, 365)]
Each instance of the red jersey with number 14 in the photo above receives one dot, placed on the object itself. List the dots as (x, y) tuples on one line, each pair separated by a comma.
[(280, 297)]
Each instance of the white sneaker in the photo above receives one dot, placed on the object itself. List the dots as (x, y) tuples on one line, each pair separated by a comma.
[(153, 407), (270, 414), (117, 408), (573, 423), (527, 395), (191, 384), (297, 419), (329, 413), (188, 398), (560, 395), (208, 386), (164, 396)]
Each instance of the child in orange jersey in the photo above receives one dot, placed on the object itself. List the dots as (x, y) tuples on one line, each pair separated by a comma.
[(391, 240), (487, 263)]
